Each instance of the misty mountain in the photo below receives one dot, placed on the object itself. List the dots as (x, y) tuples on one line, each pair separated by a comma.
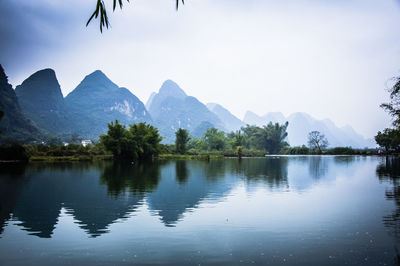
[(97, 101), (171, 109), (14, 125), (230, 122), (253, 119), (41, 101), (300, 124)]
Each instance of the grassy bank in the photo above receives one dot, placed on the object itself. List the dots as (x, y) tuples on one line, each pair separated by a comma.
[(76, 158), (188, 157)]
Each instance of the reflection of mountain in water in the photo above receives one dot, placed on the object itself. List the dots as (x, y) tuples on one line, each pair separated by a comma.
[(99, 194), (183, 185), (10, 182), (43, 193)]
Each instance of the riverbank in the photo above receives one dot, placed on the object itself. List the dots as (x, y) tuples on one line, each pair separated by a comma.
[(76, 158)]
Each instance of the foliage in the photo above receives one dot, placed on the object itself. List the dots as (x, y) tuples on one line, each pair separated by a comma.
[(302, 150), (393, 107), (214, 139), (343, 151), (147, 140), (236, 139), (389, 139), (317, 141), (270, 138), (140, 142), (181, 140), (101, 11), (13, 151)]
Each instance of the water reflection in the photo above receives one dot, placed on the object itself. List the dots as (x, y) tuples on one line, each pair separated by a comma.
[(181, 190), (272, 172), (127, 177), (100, 194), (389, 171)]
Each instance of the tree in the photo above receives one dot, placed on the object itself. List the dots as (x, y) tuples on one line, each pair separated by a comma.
[(270, 138), (273, 136), (101, 11), (214, 139), (389, 139), (140, 142), (236, 139), (181, 140), (393, 107), (317, 141), (146, 140), (118, 141)]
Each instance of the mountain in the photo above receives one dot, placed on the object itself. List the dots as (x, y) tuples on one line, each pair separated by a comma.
[(150, 100), (171, 109), (41, 101), (253, 119), (97, 101), (231, 122), (300, 124), (14, 125)]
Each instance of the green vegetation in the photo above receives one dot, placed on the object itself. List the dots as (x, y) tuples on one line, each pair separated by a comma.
[(389, 139), (181, 140), (189, 157), (13, 152), (140, 142), (249, 141)]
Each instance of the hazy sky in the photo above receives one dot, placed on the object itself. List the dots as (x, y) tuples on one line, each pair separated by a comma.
[(331, 59)]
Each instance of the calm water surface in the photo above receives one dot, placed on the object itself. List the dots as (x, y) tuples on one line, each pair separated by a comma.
[(301, 210)]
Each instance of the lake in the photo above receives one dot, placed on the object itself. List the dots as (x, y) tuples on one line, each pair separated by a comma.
[(283, 210)]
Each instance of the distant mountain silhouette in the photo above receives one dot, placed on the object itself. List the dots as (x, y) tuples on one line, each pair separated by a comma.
[(97, 101), (230, 122), (171, 109), (300, 124), (41, 101), (14, 125)]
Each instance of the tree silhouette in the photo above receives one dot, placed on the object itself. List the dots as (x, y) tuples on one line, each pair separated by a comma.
[(317, 141)]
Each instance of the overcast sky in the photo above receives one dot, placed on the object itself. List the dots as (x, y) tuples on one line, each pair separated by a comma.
[(331, 59)]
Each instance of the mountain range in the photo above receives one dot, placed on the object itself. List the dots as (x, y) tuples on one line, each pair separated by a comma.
[(300, 124), (37, 109), (171, 109)]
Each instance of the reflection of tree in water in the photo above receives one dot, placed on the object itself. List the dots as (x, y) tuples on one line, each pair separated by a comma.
[(271, 170), (214, 169), (182, 173), (318, 166), (390, 171), (136, 178), (344, 159)]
